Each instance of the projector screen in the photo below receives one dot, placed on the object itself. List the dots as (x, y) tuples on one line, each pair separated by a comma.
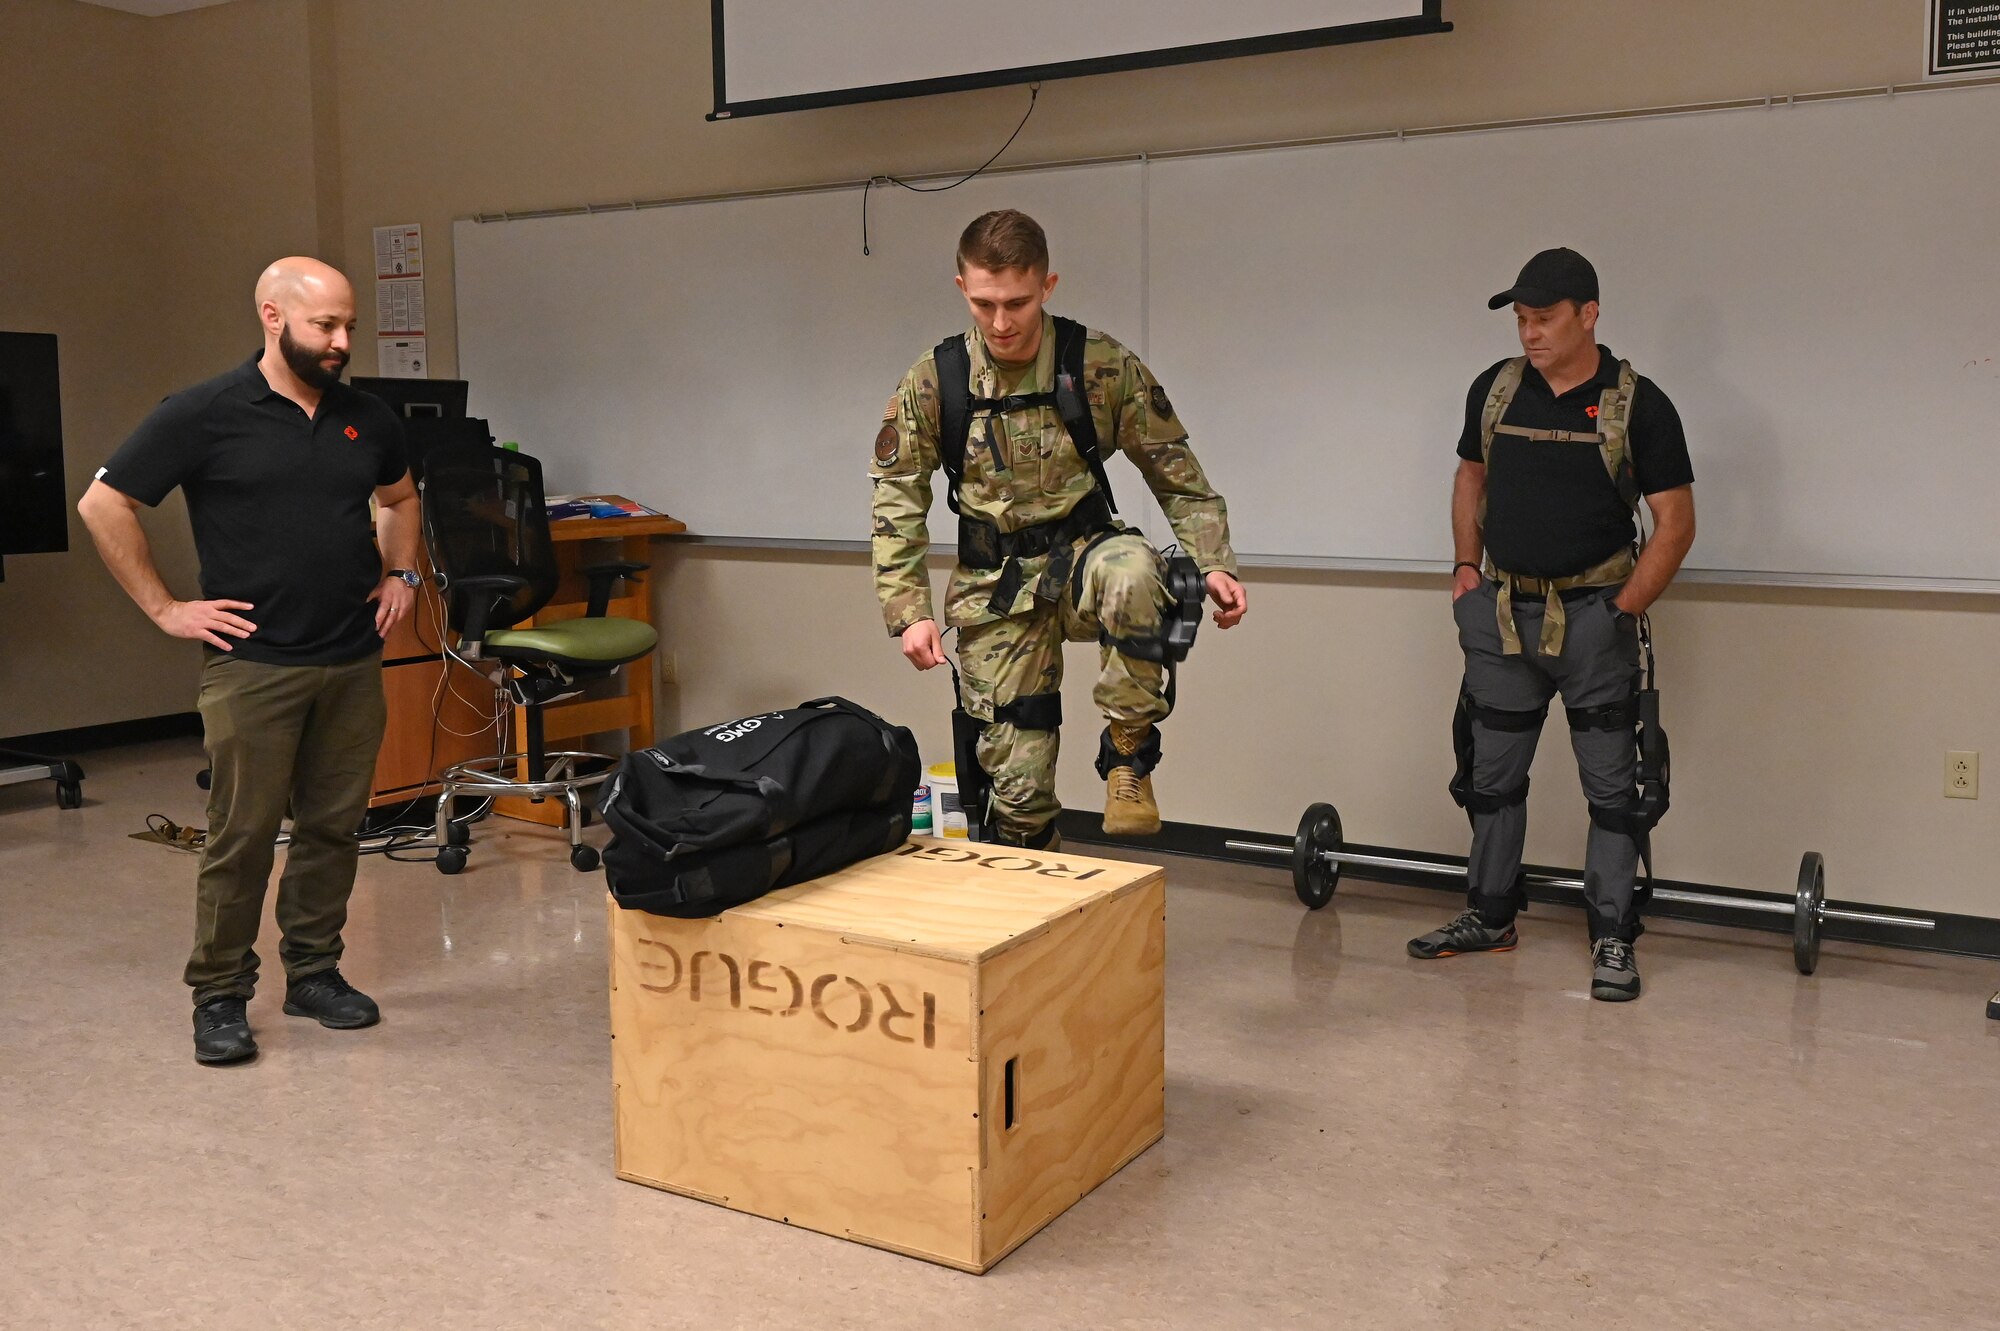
[(767, 60)]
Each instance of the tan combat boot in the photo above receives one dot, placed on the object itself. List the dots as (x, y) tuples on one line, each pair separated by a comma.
[(1129, 807)]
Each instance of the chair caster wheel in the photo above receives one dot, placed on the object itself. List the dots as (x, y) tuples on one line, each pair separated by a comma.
[(583, 858), (69, 795), (457, 834), (451, 859), (205, 778)]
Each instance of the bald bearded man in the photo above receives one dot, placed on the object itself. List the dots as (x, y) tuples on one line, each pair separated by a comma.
[(278, 460)]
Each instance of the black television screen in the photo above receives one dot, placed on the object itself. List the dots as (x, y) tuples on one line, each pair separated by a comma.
[(34, 503)]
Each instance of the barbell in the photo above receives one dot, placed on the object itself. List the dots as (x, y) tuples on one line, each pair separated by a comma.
[(1319, 853)]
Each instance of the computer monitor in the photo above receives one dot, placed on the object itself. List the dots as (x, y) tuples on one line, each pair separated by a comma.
[(418, 399), (34, 505)]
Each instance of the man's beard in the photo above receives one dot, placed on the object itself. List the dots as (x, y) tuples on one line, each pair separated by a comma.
[(306, 364)]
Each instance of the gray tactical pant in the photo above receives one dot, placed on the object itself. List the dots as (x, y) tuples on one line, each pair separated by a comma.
[(1599, 664)]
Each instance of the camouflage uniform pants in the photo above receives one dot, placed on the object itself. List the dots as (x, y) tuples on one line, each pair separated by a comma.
[(1122, 591)]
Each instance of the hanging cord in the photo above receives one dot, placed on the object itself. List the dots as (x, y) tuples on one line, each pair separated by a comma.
[(1034, 93), (397, 835)]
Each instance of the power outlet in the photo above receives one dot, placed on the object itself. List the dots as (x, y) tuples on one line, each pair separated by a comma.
[(670, 668), (1961, 776)]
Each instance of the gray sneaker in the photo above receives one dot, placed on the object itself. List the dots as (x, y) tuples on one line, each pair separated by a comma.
[(1614, 971), (1467, 933)]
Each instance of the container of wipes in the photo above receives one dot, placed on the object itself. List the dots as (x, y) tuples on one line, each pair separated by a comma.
[(947, 814), (920, 811)]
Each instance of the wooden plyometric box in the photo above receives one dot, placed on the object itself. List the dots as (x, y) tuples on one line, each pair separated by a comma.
[(936, 1051)]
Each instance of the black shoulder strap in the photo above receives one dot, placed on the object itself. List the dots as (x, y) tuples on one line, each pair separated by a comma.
[(1073, 403), (954, 372)]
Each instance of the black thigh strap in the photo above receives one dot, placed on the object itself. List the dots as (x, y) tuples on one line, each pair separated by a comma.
[(1034, 711), (1620, 715), (1495, 718)]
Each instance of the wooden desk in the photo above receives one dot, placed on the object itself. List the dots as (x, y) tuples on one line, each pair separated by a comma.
[(427, 733), (630, 709)]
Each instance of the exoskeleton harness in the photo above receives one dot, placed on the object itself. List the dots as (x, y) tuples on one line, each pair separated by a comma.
[(982, 545), (1638, 714), (1614, 418)]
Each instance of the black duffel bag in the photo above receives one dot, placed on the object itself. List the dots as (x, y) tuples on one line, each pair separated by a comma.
[(750, 782), (708, 882)]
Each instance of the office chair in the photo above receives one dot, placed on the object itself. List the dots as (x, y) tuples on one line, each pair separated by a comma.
[(16, 766), (487, 528)]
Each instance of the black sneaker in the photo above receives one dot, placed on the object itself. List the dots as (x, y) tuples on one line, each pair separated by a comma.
[(1614, 971), (222, 1032), (331, 1001), (1467, 933)]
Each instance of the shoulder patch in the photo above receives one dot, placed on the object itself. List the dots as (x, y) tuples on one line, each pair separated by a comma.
[(887, 445), (895, 401), (1161, 407)]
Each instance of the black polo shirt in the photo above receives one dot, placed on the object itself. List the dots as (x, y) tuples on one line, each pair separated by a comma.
[(279, 505), (1552, 510)]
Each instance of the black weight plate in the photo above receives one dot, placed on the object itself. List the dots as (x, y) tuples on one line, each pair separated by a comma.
[(1314, 877), (1806, 921)]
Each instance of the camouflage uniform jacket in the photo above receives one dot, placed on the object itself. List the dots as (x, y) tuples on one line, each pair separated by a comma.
[(1022, 470)]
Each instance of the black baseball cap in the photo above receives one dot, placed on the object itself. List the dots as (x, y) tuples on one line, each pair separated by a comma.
[(1551, 276)]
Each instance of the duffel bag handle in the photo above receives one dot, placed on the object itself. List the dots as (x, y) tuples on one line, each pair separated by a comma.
[(845, 705), (884, 730)]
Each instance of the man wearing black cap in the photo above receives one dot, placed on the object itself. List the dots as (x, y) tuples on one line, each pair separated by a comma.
[(1550, 594)]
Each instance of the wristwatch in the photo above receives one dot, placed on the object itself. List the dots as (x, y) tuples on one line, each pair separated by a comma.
[(410, 577)]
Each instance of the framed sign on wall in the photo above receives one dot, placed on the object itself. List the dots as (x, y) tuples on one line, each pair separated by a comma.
[(1961, 38)]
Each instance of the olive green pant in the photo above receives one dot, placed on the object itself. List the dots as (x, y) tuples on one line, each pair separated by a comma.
[(281, 737)]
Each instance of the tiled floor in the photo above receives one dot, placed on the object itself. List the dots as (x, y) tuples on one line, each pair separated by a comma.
[(1354, 1139)]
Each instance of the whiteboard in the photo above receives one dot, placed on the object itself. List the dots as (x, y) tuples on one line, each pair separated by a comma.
[(731, 360), (1815, 286)]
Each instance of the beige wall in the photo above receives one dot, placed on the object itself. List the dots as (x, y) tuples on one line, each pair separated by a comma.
[(1800, 719), (150, 168), (78, 196)]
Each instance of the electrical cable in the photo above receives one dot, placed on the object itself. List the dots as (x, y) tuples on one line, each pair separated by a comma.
[(392, 838), (1034, 94)]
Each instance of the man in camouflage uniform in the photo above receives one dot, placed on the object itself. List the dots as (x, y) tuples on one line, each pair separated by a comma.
[(1058, 567)]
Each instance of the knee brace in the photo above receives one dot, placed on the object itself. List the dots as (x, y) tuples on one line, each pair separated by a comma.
[(1142, 763), (1170, 644), (1036, 711), (1464, 793), (1640, 812)]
